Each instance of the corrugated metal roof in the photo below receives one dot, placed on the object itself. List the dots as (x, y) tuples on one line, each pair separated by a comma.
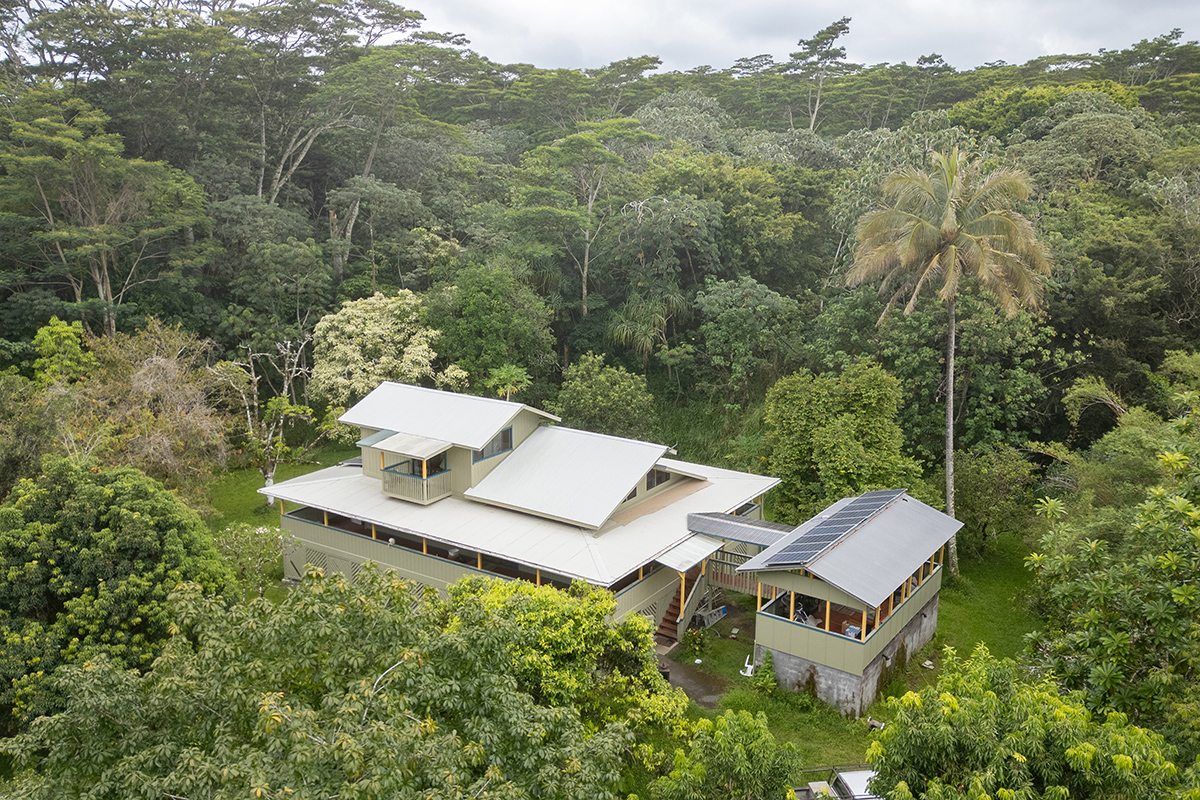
[(571, 475), (738, 529), (461, 419), (377, 436), (407, 444), (556, 547), (876, 558), (689, 552)]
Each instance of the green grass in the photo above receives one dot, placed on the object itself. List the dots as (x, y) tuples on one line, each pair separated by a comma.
[(235, 496), (989, 604)]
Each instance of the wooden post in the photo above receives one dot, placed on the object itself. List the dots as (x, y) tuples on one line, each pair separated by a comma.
[(942, 555), (281, 506), (479, 561), (326, 513), (792, 612), (641, 572), (682, 591), (539, 577), (424, 470), (381, 460), (862, 632), (828, 605), (758, 605), (424, 546), (891, 603), (774, 593), (878, 609), (374, 535)]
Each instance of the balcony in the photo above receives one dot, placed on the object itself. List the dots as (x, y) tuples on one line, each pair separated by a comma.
[(403, 485)]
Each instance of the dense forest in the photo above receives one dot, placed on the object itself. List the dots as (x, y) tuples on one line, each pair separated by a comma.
[(221, 223)]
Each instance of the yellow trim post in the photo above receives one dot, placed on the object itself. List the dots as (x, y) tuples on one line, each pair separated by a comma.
[(326, 515), (942, 555), (774, 593), (641, 572), (682, 590), (538, 579), (479, 561), (374, 535), (281, 506), (891, 603), (424, 546), (758, 605), (424, 470), (792, 610), (381, 460), (862, 632), (828, 605)]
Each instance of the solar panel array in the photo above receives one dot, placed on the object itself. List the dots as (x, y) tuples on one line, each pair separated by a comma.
[(810, 544)]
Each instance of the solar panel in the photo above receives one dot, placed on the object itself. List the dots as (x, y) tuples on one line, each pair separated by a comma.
[(807, 546)]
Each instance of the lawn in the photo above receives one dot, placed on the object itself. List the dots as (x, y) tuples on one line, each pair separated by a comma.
[(235, 496)]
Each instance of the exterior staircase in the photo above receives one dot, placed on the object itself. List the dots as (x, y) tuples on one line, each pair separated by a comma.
[(669, 629)]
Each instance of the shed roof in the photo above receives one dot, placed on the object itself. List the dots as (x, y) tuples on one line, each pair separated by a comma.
[(690, 552), (738, 528), (461, 419), (872, 560), (570, 475)]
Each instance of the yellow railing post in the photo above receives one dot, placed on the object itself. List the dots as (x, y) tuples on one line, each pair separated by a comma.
[(792, 612), (374, 535), (828, 605), (862, 632), (758, 605)]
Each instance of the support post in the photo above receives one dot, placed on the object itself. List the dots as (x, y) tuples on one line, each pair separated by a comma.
[(641, 572), (281, 506), (538, 580), (374, 535), (862, 632), (758, 604), (891, 603), (828, 605), (424, 470), (424, 546), (479, 561), (325, 514), (792, 610), (942, 555), (381, 467)]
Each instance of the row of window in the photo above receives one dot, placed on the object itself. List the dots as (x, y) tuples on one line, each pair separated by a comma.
[(502, 442)]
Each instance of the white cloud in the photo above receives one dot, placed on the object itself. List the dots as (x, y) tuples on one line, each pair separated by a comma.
[(685, 34)]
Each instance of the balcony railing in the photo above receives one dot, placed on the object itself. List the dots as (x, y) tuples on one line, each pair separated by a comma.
[(414, 488)]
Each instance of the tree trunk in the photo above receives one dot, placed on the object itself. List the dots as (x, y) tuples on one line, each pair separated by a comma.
[(268, 482), (950, 432)]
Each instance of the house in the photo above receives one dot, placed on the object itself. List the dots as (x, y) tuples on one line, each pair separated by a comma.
[(451, 485), (842, 597)]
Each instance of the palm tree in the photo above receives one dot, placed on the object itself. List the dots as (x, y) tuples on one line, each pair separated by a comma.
[(943, 225)]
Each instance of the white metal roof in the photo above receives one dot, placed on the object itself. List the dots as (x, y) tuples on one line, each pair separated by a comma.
[(876, 558), (690, 552), (461, 419), (407, 444), (571, 475), (557, 547)]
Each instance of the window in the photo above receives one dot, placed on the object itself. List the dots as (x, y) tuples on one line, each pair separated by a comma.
[(501, 443), (632, 494), (656, 477)]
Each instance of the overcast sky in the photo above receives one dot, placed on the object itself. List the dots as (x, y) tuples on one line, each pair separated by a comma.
[(689, 33)]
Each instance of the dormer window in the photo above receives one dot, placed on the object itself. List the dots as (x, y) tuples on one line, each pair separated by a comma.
[(502, 442), (656, 477)]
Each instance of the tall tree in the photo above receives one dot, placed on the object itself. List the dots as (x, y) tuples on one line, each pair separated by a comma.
[(943, 226), (819, 59)]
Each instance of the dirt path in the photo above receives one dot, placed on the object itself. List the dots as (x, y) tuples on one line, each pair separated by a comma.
[(702, 687)]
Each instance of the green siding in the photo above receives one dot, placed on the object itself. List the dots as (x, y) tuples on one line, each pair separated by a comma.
[(835, 650)]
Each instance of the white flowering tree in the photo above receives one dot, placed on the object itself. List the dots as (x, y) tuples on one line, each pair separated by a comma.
[(375, 339)]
